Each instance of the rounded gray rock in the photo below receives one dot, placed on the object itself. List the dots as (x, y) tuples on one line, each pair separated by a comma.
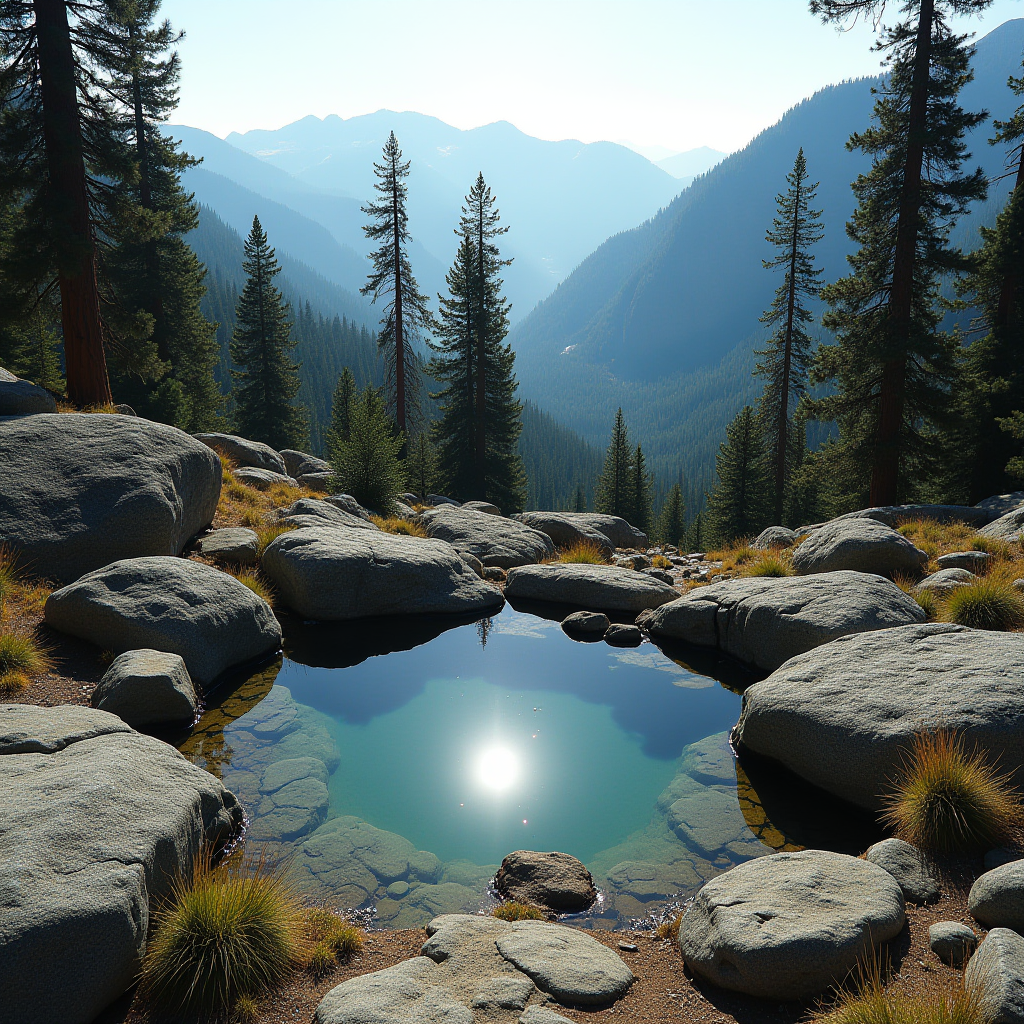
[(263, 479), (952, 942), (243, 452), (973, 561), (620, 634), (346, 503), (843, 715), (862, 545), (1006, 527), (594, 623), (553, 881), (335, 573), (147, 688), (168, 604), (997, 897), (321, 482), (775, 537), (659, 574), (789, 925), (296, 463), (945, 581), (23, 398), (908, 865), (766, 621), (235, 544), (997, 972), (314, 512), (482, 506), (569, 528), (588, 586), (496, 541), (81, 490), (1000, 504)]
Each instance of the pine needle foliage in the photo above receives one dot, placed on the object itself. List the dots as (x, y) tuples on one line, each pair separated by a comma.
[(616, 487), (266, 381), (671, 527), (737, 506), (643, 482), (341, 408), (421, 469)]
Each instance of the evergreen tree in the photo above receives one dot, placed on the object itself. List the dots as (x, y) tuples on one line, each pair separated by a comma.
[(784, 363), (616, 486), (695, 535), (367, 464), (641, 499), (267, 380), (579, 501), (341, 409), (891, 366), (671, 527), (737, 506), (405, 309), (991, 386), (421, 475)]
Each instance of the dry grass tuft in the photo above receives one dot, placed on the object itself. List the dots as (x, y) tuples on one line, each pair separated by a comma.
[(267, 532), (661, 562), (995, 546), (257, 583), (395, 524), (517, 912), (331, 939), (769, 563), (669, 928), (988, 603), (584, 552), (948, 800)]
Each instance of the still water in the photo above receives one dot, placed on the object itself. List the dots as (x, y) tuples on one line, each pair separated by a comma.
[(398, 779)]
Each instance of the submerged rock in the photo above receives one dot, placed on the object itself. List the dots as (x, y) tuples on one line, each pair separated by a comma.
[(497, 542), (767, 621), (590, 623), (843, 715), (551, 881), (95, 823), (620, 634), (596, 587), (334, 573), (147, 688), (81, 490), (790, 925), (243, 452), (862, 545), (168, 604)]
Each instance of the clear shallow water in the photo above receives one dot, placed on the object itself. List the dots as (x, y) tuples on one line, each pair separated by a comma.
[(399, 779)]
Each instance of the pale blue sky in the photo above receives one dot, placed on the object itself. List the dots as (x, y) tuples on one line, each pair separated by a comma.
[(675, 73)]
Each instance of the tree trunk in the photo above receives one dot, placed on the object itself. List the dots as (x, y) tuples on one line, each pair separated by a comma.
[(886, 469), (787, 362), (481, 364), (399, 338), (86, 364)]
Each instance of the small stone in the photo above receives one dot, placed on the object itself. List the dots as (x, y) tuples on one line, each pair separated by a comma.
[(542, 1015), (586, 622), (908, 866), (997, 897), (659, 574), (147, 688), (233, 544), (952, 942), (973, 561), (620, 635), (629, 947), (396, 890)]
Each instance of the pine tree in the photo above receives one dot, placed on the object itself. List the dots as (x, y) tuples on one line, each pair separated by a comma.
[(891, 365), (641, 497), (267, 380), (695, 535), (579, 501), (991, 386), (616, 485), (737, 506), (784, 363), (405, 310), (367, 464), (671, 528), (421, 475), (341, 409)]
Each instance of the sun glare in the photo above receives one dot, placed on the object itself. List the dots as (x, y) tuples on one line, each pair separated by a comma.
[(497, 768)]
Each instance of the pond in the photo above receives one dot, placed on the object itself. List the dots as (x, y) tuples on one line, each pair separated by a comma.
[(392, 765)]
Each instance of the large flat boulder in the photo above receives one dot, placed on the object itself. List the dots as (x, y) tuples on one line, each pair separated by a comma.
[(595, 587), (313, 512), (80, 490), (95, 822), (1006, 527), (569, 528), (496, 541), (243, 452), (765, 621), (332, 573), (843, 715), (263, 479), (790, 925), (863, 545), (893, 515), (168, 604), (1000, 504)]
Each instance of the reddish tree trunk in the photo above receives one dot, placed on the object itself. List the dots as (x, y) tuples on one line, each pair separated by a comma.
[(86, 364), (886, 470)]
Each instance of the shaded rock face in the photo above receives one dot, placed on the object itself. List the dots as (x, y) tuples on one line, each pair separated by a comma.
[(297, 463), (504, 972), (997, 971), (568, 528), (482, 506), (842, 715), (952, 942), (997, 897), (243, 452), (972, 561), (147, 688), (332, 573), (765, 622), (1006, 527), (591, 623), (23, 398), (909, 866), (774, 537), (595, 587), (322, 483), (95, 821), (497, 542), (168, 604), (862, 545), (1000, 504), (789, 925), (551, 881), (81, 490), (236, 545), (348, 504)]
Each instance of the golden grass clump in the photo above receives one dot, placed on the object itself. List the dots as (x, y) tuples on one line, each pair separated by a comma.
[(584, 552), (254, 580), (937, 538), (988, 603), (994, 546), (245, 1011), (661, 562), (225, 935), (928, 602), (20, 657), (669, 928), (517, 912), (395, 524), (948, 800), (243, 494), (332, 939), (769, 564), (267, 532)]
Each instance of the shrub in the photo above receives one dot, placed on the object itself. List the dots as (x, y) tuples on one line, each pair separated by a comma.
[(948, 800), (769, 565), (394, 524), (986, 604), (336, 934), (586, 552), (322, 959), (517, 912), (257, 584), (661, 562), (223, 936), (20, 656)]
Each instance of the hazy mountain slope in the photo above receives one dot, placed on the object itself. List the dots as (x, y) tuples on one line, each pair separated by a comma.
[(692, 163), (561, 199)]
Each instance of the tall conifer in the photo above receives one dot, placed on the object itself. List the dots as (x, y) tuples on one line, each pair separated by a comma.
[(671, 528), (616, 486), (642, 483), (405, 308), (341, 409), (266, 381), (892, 366), (784, 362), (738, 505), (421, 475)]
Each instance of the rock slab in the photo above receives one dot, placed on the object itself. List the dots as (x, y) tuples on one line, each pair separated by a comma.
[(236, 545), (243, 452), (997, 970), (497, 542), (863, 545), (95, 822), (789, 925), (147, 688), (81, 490), (168, 604), (594, 587), (552, 881), (569, 528)]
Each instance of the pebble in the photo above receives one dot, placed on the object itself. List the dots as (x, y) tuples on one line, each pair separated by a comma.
[(629, 947)]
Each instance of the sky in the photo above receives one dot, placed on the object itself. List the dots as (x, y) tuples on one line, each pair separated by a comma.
[(675, 74)]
